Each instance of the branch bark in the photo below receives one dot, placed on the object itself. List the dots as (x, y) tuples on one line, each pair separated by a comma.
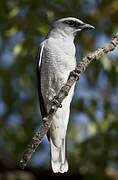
[(74, 76)]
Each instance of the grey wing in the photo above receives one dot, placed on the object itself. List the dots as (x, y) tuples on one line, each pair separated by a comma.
[(39, 58)]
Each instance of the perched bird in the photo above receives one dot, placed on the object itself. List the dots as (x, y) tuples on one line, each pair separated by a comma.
[(55, 59)]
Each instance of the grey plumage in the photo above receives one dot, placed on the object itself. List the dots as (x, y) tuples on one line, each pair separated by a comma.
[(54, 60)]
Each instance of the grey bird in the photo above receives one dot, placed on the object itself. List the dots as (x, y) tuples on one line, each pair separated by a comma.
[(55, 59)]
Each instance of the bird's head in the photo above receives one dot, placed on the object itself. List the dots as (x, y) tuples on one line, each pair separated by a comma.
[(70, 25)]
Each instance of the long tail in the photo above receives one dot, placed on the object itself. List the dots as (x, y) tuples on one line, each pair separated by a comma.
[(58, 161)]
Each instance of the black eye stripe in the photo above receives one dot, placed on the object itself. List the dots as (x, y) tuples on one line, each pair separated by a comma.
[(72, 23)]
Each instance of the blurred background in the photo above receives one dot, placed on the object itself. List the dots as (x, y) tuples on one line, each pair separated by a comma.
[(92, 144)]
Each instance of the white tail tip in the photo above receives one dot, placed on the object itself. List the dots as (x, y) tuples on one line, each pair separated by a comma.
[(59, 167), (64, 167)]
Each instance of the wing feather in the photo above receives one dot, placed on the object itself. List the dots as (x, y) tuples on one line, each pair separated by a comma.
[(39, 58)]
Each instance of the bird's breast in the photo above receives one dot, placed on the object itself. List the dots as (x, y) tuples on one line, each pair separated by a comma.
[(57, 62)]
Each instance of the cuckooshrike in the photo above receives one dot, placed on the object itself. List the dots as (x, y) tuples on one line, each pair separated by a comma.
[(55, 59)]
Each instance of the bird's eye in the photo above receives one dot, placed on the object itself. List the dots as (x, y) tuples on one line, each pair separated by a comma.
[(71, 23)]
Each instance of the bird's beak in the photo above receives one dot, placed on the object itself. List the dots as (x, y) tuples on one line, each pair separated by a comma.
[(86, 26)]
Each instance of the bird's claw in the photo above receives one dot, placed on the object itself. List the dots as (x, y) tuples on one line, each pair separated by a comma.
[(75, 74), (57, 102)]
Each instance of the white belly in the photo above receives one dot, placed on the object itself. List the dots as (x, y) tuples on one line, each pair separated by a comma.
[(55, 69)]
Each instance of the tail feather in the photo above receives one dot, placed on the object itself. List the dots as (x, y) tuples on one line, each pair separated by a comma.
[(64, 167), (62, 151), (64, 163), (58, 161)]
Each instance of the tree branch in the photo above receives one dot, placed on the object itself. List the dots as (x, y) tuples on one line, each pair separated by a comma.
[(74, 76)]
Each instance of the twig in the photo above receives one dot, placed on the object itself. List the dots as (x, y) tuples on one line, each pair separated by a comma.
[(74, 75)]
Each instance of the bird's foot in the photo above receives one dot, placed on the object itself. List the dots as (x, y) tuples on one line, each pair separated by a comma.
[(75, 74), (57, 102)]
